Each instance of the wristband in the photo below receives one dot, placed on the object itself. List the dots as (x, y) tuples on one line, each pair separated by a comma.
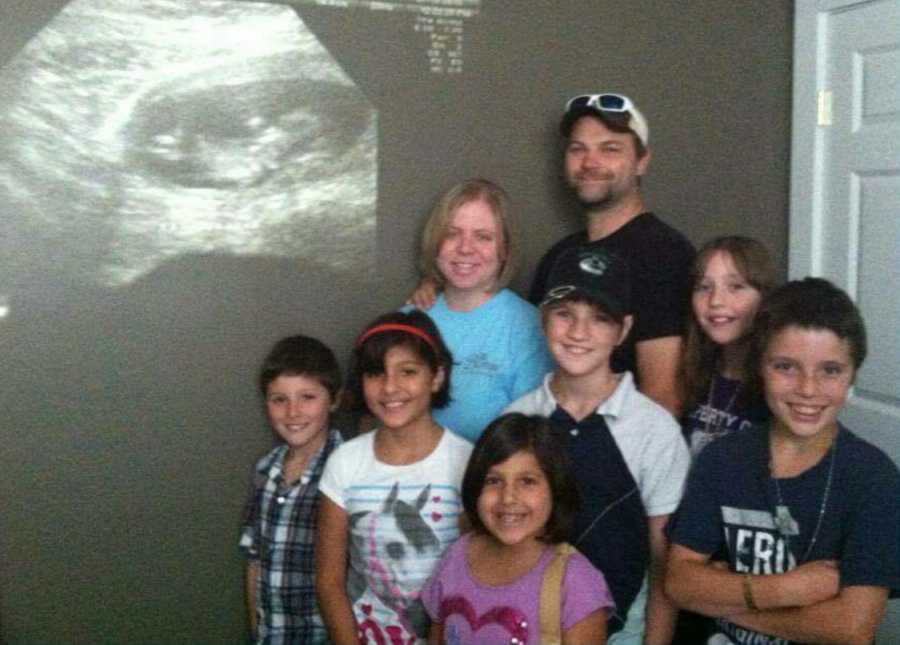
[(748, 593)]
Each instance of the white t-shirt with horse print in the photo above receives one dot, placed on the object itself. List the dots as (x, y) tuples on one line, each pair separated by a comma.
[(402, 519)]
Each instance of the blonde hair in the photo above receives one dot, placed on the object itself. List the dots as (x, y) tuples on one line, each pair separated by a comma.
[(754, 262), (441, 217)]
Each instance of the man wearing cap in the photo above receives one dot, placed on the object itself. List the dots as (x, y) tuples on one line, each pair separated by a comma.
[(606, 156)]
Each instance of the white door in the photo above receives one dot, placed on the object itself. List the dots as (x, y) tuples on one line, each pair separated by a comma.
[(845, 191)]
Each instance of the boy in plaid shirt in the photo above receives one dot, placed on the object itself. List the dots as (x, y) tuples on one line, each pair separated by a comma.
[(300, 381)]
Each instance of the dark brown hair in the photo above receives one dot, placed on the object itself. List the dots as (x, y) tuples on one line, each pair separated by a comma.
[(615, 121), (368, 356), (301, 356), (810, 303), (508, 435)]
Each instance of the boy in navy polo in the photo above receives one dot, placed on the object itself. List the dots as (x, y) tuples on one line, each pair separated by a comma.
[(627, 451)]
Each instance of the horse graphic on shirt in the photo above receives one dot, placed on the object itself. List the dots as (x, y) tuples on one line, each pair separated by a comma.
[(393, 541)]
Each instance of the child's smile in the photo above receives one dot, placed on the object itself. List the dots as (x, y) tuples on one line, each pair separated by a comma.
[(401, 395), (724, 302), (807, 375), (515, 500), (298, 408), (581, 337)]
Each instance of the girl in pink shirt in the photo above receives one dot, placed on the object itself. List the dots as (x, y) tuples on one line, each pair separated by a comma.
[(519, 497)]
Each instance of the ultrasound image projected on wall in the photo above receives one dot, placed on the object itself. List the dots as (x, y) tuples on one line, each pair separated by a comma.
[(132, 132)]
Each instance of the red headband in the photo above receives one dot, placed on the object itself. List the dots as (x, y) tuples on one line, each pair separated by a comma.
[(409, 329)]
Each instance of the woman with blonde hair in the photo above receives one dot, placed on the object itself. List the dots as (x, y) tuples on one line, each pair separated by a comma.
[(469, 248)]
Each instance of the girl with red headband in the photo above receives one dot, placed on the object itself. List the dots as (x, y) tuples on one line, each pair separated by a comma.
[(390, 498)]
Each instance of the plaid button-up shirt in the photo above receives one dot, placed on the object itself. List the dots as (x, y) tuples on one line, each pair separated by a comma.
[(279, 530)]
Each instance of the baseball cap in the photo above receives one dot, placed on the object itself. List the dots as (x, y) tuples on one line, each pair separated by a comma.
[(596, 274), (605, 104)]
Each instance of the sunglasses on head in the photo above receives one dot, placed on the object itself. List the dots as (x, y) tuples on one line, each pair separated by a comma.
[(602, 102)]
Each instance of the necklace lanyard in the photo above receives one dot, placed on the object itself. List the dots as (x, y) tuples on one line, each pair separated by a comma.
[(718, 413), (785, 524)]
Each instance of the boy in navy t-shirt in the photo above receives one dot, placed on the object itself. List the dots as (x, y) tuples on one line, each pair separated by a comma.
[(803, 511)]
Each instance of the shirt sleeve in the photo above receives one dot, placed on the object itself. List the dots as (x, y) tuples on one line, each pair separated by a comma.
[(665, 469), (433, 590), (249, 534), (333, 480), (584, 591), (660, 291), (871, 554), (697, 524)]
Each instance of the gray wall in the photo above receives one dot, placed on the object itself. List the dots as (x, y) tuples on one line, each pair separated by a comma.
[(129, 416)]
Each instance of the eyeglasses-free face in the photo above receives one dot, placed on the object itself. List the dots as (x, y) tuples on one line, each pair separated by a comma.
[(807, 375)]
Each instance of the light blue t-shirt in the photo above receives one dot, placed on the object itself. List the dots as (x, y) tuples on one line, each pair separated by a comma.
[(499, 354)]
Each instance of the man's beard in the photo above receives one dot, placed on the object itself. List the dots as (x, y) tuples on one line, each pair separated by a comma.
[(596, 202), (608, 200)]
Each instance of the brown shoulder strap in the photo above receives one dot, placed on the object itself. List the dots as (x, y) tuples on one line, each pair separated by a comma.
[(551, 596)]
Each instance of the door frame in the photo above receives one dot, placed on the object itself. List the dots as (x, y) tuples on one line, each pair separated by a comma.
[(805, 218)]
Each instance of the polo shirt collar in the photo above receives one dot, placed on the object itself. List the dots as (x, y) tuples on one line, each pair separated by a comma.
[(611, 408)]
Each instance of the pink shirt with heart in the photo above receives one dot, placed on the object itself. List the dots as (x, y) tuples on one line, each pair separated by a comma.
[(477, 614)]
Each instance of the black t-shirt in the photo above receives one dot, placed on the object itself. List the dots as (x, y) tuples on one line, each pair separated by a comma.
[(659, 258)]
